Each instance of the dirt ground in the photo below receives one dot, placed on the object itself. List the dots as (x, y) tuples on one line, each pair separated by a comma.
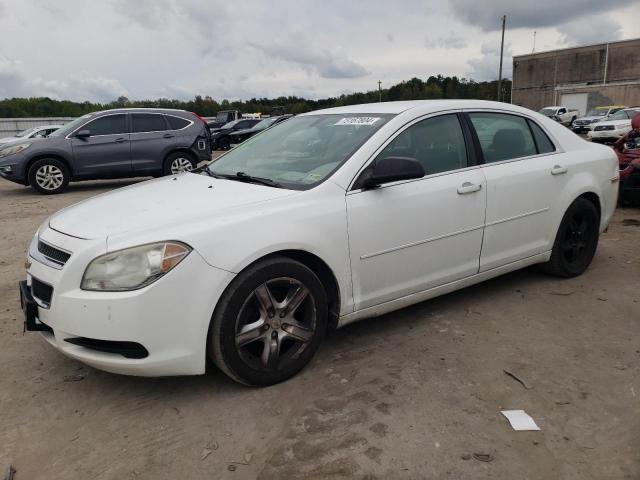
[(413, 394)]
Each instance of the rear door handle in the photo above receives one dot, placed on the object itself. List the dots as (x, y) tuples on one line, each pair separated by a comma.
[(168, 135), (120, 140), (559, 170), (468, 187)]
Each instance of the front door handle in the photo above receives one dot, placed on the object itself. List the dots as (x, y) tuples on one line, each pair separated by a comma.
[(168, 135), (468, 187), (120, 140), (559, 170)]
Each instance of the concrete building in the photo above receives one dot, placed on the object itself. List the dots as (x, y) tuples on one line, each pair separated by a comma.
[(580, 77)]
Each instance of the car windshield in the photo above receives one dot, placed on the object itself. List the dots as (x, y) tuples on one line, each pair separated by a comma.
[(262, 124), (596, 113), (301, 152), (230, 124), (548, 111), (621, 115), (27, 132), (70, 127)]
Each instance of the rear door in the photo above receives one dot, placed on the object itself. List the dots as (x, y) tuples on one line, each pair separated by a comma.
[(525, 176), (152, 138), (106, 153)]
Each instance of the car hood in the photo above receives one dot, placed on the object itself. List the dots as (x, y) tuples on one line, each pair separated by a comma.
[(155, 203), (616, 123), (10, 139)]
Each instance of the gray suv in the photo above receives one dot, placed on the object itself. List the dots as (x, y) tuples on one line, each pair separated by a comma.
[(122, 143)]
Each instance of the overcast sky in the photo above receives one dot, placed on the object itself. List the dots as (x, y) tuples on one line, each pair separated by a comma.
[(98, 50)]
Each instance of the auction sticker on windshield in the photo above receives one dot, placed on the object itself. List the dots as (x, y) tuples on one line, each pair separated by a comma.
[(358, 121)]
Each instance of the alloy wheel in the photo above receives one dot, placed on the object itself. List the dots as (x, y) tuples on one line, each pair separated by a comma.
[(49, 177), (275, 324), (180, 165)]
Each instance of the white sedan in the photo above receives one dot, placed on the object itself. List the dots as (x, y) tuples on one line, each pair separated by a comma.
[(331, 217)]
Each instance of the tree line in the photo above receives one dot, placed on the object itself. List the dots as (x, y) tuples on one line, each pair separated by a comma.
[(414, 89)]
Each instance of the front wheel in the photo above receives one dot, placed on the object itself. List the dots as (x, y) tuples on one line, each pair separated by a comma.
[(576, 240), (48, 176), (269, 322)]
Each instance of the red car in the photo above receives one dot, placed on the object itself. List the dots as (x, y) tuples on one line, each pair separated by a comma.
[(629, 175)]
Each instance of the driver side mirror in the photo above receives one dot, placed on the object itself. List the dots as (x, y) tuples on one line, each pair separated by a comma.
[(83, 134), (391, 169)]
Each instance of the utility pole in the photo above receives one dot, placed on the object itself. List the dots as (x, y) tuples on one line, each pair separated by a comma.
[(504, 18), (379, 91)]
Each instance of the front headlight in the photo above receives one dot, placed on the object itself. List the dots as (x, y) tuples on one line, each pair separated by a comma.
[(133, 268), (12, 150)]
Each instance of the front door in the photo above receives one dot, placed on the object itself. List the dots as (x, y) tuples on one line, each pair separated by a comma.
[(410, 236), (105, 153)]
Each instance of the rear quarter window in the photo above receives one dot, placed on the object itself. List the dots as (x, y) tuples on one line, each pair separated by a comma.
[(543, 142), (177, 123)]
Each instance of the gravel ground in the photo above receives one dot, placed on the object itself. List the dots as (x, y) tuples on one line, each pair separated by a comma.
[(413, 394)]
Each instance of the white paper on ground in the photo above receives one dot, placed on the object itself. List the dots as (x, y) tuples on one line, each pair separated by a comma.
[(519, 420)]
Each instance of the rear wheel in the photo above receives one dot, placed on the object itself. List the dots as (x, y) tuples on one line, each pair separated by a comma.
[(178, 162), (269, 323), (576, 240), (48, 176)]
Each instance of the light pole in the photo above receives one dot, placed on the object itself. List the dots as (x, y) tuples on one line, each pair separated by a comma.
[(379, 91), (504, 18)]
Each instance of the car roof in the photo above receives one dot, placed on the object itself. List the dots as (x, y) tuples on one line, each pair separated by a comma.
[(142, 110), (403, 106)]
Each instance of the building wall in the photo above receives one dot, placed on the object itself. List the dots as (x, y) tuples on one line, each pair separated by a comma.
[(609, 77)]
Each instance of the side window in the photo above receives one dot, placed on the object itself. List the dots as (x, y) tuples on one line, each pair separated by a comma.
[(176, 123), (437, 143), (542, 140), (561, 111), (107, 125), (147, 122), (244, 124), (502, 136)]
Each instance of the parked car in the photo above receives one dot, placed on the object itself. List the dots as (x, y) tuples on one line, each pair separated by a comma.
[(560, 114), (328, 218), (240, 136), (121, 143), (220, 139), (598, 114), (223, 117), (614, 128), (33, 132)]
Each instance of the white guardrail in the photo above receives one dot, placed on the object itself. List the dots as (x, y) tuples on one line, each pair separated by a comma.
[(11, 126)]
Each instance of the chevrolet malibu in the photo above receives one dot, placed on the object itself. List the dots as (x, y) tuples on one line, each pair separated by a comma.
[(331, 217)]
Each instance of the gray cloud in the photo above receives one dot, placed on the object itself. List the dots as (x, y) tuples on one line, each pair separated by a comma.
[(486, 67), (590, 30), (14, 81), (530, 14), (450, 41), (298, 49)]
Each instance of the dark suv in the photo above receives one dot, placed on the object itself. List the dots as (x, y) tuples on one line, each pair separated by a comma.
[(122, 143)]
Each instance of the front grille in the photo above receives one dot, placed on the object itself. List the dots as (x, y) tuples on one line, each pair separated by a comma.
[(600, 128), (52, 253), (581, 122), (41, 291)]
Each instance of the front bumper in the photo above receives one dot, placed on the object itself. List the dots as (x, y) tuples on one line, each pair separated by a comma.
[(169, 318), (603, 135)]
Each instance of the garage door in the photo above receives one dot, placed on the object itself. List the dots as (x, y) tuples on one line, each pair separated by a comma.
[(575, 100)]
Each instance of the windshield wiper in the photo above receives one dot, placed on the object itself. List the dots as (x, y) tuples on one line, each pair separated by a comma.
[(244, 177)]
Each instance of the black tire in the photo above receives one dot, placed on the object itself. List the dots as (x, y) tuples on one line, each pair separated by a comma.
[(576, 241), (240, 307), (223, 143), (48, 176), (178, 162)]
